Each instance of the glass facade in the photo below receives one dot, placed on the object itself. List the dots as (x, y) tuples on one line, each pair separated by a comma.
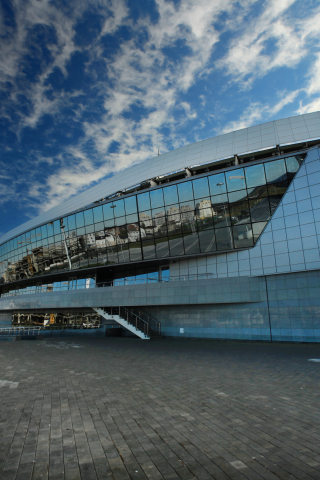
[(212, 213)]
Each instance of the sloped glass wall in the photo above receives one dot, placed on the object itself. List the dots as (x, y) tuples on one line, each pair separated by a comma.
[(217, 212)]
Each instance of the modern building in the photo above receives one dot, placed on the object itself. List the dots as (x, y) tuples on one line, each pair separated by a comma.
[(219, 239)]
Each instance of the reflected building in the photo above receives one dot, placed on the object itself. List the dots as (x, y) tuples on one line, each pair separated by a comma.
[(230, 224)]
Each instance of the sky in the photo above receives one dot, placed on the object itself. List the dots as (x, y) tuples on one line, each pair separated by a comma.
[(89, 88)]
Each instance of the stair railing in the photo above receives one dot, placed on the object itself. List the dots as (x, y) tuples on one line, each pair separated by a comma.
[(146, 326)]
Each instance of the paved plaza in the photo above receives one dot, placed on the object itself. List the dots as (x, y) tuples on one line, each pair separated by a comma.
[(123, 408)]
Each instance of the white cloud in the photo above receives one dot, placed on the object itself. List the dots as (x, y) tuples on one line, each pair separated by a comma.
[(274, 39), (256, 112)]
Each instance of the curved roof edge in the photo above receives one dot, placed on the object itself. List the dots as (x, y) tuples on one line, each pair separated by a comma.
[(301, 128)]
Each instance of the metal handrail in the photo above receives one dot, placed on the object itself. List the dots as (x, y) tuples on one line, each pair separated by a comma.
[(11, 331), (135, 320), (113, 283), (156, 325)]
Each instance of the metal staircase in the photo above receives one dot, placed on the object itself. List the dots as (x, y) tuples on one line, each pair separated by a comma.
[(143, 328)]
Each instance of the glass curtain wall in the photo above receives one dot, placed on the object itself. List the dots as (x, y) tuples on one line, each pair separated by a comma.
[(217, 212)]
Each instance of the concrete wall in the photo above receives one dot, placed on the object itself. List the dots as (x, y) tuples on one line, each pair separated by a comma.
[(205, 291)]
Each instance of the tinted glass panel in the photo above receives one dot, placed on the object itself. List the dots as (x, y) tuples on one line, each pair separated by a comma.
[(119, 208), (170, 195), (235, 180), (144, 201), (230, 218), (275, 171), (255, 176), (185, 191), (130, 205), (217, 184), (156, 198), (200, 187)]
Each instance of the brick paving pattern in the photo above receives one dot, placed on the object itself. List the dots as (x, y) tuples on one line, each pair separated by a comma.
[(121, 408)]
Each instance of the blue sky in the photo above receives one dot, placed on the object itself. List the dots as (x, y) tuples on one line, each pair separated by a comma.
[(91, 87)]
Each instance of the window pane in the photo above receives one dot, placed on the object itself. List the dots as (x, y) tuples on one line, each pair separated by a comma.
[(239, 212), (162, 247), (108, 211), (173, 210), (235, 180), (71, 223), (237, 196), (170, 195), (224, 238), (221, 216), (156, 197), (293, 163), (133, 232), (135, 252), (255, 176), (258, 192), (148, 249), (275, 171), (185, 191), (278, 188), (260, 209), (242, 235), (191, 243), (200, 187), (274, 202), (80, 219), (257, 229), (88, 217), (207, 241), (130, 205), (223, 198), (204, 213), (144, 201), (98, 214), (176, 245), (174, 224), (119, 208), (217, 184)]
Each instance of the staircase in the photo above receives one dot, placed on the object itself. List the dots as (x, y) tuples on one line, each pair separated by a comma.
[(143, 328)]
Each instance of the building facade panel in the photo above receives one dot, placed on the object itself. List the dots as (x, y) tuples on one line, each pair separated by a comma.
[(232, 252)]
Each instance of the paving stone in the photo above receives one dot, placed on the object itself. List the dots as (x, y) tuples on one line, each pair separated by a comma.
[(121, 408)]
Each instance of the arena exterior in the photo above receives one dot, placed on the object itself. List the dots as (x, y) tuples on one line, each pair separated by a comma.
[(218, 239)]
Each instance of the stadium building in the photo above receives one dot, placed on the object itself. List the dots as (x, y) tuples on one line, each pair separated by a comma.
[(218, 239)]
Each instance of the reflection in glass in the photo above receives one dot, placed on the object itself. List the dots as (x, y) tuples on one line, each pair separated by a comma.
[(275, 171), (185, 191), (224, 238), (239, 212), (170, 195), (130, 205), (217, 184), (148, 249), (221, 216), (257, 229), (162, 247), (88, 217), (242, 236), (176, 245), (156, 198), (258, 192), (200, 187), (207, 241), (111, 233), (144, 201), (260, 209), (191, 243), (235, 180), (255, 175)]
